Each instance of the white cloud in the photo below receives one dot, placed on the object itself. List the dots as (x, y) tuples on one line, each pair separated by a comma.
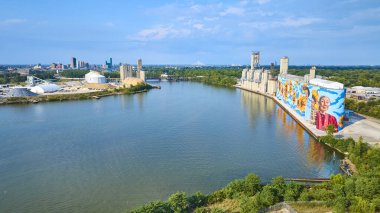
[(11, 22), (159, 33), (199, 26), (233, 11), (298, 22), (287, 23)]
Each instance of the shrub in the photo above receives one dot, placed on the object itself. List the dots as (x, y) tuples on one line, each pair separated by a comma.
[(178, 202)]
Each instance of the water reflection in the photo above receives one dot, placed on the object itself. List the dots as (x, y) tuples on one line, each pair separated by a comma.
[(317, 154)]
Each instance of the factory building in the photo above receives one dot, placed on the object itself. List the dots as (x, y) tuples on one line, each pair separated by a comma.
[(126, 71), (139, 68), (257, 79), (95, 77), (319, 101)]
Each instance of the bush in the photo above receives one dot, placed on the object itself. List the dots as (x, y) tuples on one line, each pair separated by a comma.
[(197, 200), (178, 202), (154, 207)]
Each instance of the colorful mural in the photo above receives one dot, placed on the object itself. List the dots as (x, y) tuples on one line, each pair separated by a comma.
[(320, 106)]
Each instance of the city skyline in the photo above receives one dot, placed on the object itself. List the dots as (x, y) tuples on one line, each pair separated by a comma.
[(191, 32)]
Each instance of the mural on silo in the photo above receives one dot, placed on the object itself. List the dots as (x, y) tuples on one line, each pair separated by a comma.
[(318, 105)]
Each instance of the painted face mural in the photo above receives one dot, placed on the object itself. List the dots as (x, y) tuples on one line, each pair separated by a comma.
[(318, 105)]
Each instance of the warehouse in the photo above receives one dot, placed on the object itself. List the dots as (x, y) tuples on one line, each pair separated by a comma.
[(45, 88)]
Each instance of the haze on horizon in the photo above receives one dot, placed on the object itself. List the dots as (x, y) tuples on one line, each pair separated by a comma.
[(319, 32)]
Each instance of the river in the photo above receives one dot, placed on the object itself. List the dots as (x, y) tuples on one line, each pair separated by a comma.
[(116, 153)]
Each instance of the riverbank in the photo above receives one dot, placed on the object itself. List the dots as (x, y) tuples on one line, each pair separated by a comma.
[(359, 193), (358, 126), (76, 96)]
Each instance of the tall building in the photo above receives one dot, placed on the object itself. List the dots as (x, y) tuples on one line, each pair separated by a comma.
[(255, 60), (312, 72), (139, 68), (142, 75), (123, 72), (108, 65), (126, 71), (73, 62), (284, 64)]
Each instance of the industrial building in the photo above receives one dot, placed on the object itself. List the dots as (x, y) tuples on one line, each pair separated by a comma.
[(320, 102), (127, 74), (363, 93), (258, 79), (95, 77)]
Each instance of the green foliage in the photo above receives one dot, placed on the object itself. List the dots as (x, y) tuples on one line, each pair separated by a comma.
[(253, 184), (217, 196), (208, 210), (154, 207), (361, 205), (250, 204), (269, 195), (178, 202), (197, 200), (370, 107), (293, 191), (349, 76)]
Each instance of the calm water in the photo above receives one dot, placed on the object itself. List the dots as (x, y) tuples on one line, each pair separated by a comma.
[(119, 152)]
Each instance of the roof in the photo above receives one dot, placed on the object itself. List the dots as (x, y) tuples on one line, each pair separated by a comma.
[(326, 83), (94, 74)]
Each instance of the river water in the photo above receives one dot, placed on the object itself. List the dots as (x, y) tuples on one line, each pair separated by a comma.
[(116, 153)]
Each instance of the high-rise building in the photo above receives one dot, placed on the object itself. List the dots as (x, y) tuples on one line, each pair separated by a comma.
[(73, 62), (255, 60), (139, 68), (284, 64), (108, 65)]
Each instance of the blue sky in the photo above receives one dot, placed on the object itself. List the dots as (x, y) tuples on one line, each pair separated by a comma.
[(326, 32)]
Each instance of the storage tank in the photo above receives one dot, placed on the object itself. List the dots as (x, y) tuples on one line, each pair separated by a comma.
[(95, 77)]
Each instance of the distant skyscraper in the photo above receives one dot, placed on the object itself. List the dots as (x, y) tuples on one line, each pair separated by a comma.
[(139, 68), (255, 60), (73, 62), (284, 64), (109, 64)]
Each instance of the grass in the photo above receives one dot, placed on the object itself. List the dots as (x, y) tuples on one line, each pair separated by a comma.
[(228, 205)]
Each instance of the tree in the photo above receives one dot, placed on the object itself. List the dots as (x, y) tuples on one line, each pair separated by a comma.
[(178, 202), (253, 184)]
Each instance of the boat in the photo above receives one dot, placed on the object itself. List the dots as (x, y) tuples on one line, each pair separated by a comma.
[(95, 97)]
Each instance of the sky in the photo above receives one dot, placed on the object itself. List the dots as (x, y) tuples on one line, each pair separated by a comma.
[(312, 32)]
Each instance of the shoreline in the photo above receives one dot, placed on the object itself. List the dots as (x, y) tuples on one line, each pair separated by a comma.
[(316, 134), (73, 97)]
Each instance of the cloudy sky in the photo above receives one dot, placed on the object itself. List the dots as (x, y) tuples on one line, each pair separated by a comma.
[(326, 32)]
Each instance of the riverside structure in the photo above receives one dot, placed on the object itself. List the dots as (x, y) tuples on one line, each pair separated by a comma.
[(311, 100)]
